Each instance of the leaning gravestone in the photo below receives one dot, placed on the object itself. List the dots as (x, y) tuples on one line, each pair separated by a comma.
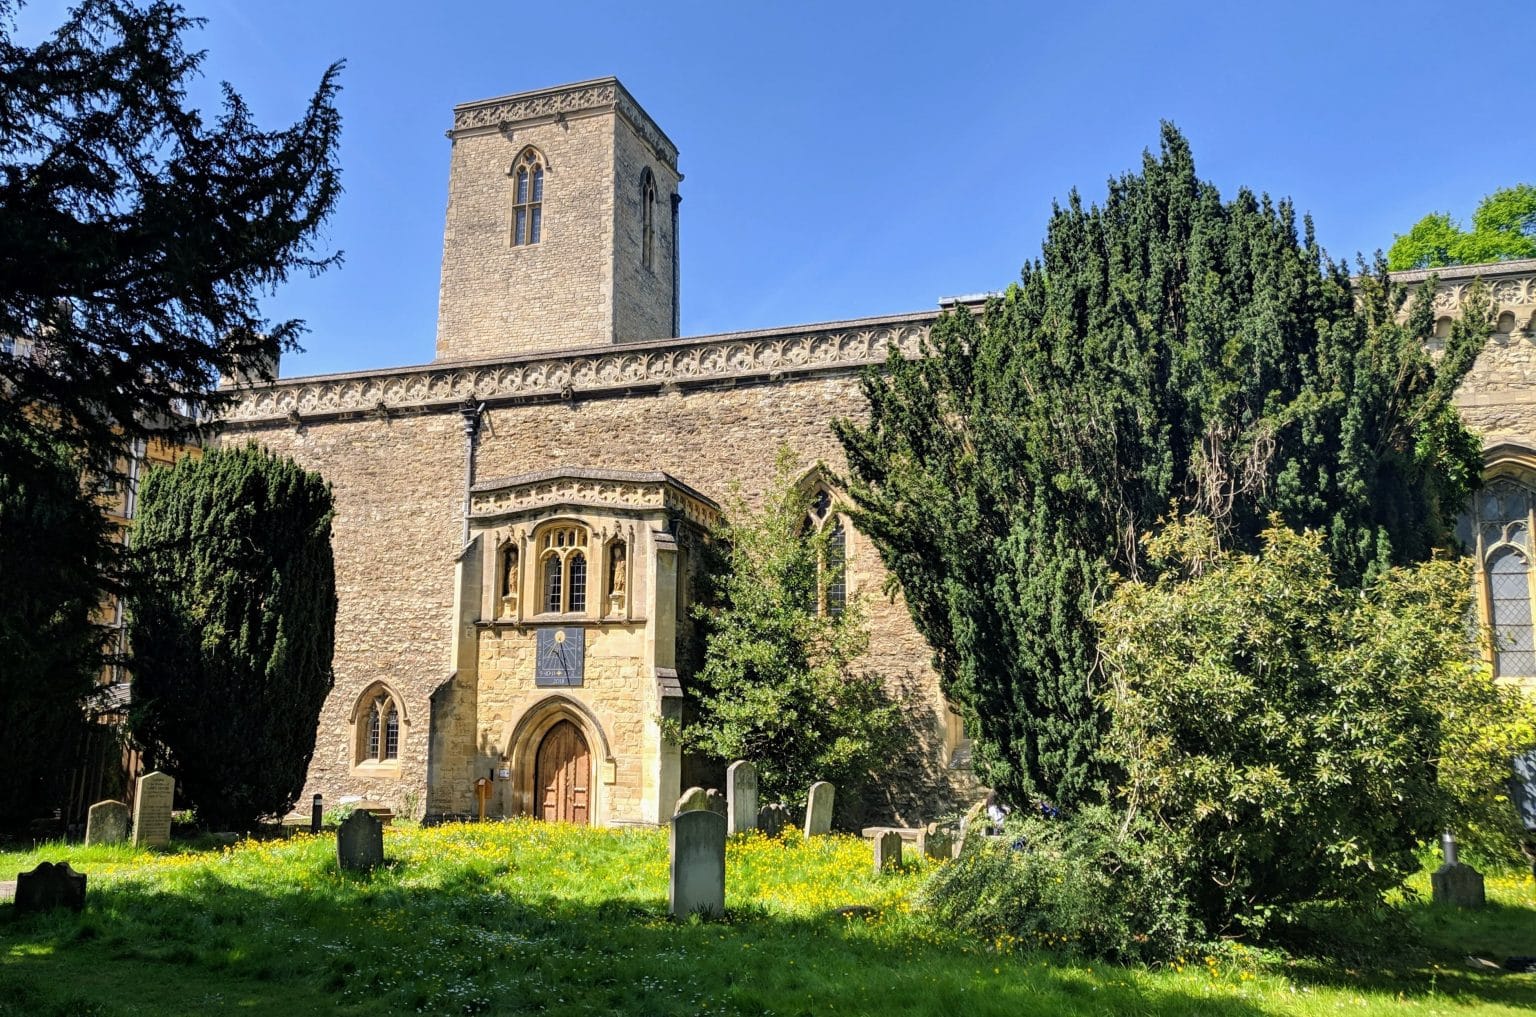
[(740, 797), (697, 851), (693, 800), (772, 819), (887, 851), (818, 809), (106, 823), (360, 842), (152, 809), (50, 886)]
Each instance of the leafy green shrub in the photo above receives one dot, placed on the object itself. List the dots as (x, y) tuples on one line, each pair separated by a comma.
[(1084, 885), (1304, 739)]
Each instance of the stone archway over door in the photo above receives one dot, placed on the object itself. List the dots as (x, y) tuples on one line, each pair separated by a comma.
[(563, 776)]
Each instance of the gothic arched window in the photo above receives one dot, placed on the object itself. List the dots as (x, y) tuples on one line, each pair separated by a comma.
[(563, 569), (377, 722), (647, 219), (527, 198), (1497, 529), (832, 568)]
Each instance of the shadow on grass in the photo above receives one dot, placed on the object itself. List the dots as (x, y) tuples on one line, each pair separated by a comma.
[(1422, 948), (343, 943)]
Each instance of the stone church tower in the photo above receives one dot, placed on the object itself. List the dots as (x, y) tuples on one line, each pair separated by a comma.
[(562, 224)]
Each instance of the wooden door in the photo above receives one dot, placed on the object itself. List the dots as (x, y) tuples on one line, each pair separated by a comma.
[(563, 775)]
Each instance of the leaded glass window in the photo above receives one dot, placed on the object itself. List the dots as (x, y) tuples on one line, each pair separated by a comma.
[(1497, 528), (578, 563), (527, 199), (552, 569)]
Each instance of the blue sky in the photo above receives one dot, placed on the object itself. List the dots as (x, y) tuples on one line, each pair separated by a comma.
[(849, 159)]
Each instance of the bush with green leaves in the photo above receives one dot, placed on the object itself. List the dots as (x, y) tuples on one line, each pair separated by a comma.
[(1091, 884), (233, 626), (780, 683), (1302, 738)]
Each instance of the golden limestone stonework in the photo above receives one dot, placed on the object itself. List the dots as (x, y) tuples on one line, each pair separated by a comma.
[(519, 524)]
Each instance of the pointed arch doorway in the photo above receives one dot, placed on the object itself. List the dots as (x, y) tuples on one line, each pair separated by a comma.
[(562, 775)]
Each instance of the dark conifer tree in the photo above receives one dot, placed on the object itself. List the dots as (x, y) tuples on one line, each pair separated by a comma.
[(1170, 350), (232, 629)]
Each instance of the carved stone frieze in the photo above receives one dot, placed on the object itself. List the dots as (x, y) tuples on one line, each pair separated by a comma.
[(1512, 285), (615, 369), (640, 492), (602, 94)]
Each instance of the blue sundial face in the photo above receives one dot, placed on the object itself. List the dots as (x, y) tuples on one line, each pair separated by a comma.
[(561, 656)]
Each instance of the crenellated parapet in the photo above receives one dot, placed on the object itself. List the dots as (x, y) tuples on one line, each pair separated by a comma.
[(608, 370)]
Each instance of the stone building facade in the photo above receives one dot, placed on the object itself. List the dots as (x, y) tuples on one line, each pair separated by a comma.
[(564, 439)]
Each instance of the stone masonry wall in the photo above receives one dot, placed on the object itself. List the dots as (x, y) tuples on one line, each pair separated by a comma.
[(642, 296)]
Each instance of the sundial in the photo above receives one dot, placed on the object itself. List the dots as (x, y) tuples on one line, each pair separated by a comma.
[(561, 656)]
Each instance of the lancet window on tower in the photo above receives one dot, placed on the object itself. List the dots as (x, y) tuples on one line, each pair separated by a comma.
[(527, 198), (647, 219)]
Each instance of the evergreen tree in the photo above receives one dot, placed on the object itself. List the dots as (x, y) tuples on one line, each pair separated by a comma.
[(778, 685), (134, 235), (53, 551), (1169, 348), (232, 629)]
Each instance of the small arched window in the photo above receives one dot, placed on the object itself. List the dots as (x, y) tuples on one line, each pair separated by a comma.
[(832, 568), (647, 219), (527, 198), (563, 569), (1497, 528), (378, 727)]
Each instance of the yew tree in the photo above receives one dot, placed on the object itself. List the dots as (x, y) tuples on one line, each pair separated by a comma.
[(233, 628), (1170, 348)]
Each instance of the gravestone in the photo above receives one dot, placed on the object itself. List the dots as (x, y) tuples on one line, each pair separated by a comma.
[(740, 797), (360, 842), (818, 809), (50, 886), (697, 851), (887, 851), (1455, 884), (693, 800), (715, 802), (152, 809), (772, 819), (936, 841), (106, 823)]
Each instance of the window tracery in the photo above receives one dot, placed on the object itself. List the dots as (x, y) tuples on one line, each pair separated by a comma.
[(527, 198), (1498, 527), (563, 569), (832, 567), (378, 721)]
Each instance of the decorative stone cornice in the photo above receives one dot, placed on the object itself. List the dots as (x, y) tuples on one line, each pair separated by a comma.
[(1512, 285), (599, 94), (631, 491), (615, 369)]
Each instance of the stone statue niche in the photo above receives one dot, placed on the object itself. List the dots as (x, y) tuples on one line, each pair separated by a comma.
[(507, 569), (618, 568)]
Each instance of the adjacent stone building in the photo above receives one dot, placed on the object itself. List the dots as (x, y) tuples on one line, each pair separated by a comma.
[(520, 522)]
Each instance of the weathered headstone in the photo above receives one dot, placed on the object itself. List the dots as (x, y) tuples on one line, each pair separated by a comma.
[(715, 802), (693, 800), (936, 841), (106, 823), (152, 809), (772, 819), (740, 797), (887, 851), (50, 886), (818, 809), (697, 852), (1455, 884), (360, 842)]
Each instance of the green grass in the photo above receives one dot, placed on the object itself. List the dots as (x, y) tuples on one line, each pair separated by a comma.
[(538, 918)]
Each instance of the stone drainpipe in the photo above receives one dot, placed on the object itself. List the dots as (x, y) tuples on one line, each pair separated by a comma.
[(471, 412)]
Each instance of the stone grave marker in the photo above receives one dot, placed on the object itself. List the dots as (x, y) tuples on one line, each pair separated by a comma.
[(936, 842), (692, 800), (1455, 884), (740, 797), (772, 819), (818, 809), (360, 842), (106, 823), (715, 802), (50, 886), (697, 851), (152, 809), (887, 851)]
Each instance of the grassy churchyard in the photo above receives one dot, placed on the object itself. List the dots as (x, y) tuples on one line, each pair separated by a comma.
[(542, 918)]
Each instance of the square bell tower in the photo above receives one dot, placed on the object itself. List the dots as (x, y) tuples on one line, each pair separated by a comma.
[(561, 230)]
